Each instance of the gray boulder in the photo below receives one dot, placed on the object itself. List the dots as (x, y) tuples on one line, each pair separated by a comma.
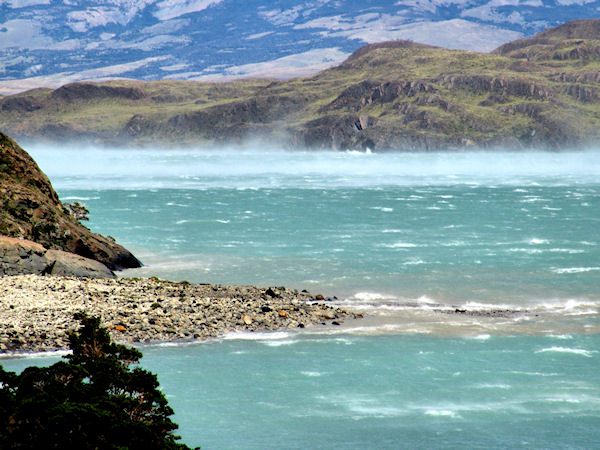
[(20, 256)]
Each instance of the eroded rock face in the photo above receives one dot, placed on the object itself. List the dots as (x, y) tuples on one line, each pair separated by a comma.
[(20, 256), (30, 209)]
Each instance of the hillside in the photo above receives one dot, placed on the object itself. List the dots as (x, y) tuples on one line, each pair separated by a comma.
[(540, 92), (30, 210), (52, 43)]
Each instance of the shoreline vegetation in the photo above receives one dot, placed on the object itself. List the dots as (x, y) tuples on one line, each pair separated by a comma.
[(37, 311)]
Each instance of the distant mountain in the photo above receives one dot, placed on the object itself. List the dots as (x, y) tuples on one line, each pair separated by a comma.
[(541, 92), (52, 42)]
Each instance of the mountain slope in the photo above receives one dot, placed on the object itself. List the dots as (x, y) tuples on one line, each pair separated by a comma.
[(51, 43), (391, 95)]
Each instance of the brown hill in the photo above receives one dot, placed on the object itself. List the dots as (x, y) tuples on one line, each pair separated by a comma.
[(578, 39), (541, 92), (30, 209)]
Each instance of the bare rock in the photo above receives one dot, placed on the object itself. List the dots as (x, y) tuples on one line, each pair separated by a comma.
[(20, 256), (30, 209)]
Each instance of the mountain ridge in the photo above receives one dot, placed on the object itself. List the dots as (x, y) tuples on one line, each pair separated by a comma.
[(51, 43), (542, 93)]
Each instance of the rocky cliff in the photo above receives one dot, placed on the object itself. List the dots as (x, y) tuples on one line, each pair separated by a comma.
[(30, 209), (20, 256), (541, 92)]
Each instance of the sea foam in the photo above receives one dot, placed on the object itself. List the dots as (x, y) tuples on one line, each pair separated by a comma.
[(575, 351)]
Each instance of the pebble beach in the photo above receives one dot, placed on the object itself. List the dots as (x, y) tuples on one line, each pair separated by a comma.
[(37, 311)]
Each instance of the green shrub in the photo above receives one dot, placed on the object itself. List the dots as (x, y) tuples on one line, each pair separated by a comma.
[(93, 400)]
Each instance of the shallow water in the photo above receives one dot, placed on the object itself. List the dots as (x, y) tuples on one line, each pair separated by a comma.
[(287, 390), (409, 238)]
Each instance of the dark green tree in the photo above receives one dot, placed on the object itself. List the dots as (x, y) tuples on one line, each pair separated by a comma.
[(77, 210), (97, 398)]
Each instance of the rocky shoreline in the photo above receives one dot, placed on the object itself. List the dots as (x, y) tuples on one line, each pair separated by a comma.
[(37, 311)]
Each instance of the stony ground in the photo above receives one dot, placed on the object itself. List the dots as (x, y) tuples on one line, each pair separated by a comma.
[(37, 311)]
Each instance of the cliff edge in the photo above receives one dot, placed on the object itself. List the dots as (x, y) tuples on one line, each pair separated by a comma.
[(31, 210)]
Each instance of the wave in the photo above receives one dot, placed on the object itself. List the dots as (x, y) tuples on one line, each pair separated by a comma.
[(441, 413), (309, 373), (50, 354), (576, 351), (79, 198), (571, 270), (256, 336), (538, 241), (399, 245)]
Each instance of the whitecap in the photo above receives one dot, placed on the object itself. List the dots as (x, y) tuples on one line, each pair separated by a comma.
[(279, 343), (454, 244), (413, 262), (537, 241), (377, 411), (36, 355), (481, 337), (169, 344), (399, 245), (256, 336), (561, 336), (477, 306), (493, 386), (382, 208), (309, 373), (368, 296), (569, 305), (441, 413), (575, 351), (530, 251), (569, 270), (74, 197), (585, 312), (534, 374), (424, 300)]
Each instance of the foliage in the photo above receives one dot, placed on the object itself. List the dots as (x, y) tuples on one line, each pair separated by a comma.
[(78, 211), (93, 400)]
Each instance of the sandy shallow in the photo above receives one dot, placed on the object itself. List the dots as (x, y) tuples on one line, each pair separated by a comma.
[(37, 311)]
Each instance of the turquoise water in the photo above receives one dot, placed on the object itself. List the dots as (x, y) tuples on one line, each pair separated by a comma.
[(395, 235), (297, 391)]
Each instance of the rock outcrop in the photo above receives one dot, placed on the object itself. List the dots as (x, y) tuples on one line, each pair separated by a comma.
[(30, 209), (20, 256)]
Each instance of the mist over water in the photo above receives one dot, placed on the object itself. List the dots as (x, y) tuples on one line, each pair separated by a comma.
[(90, 168)]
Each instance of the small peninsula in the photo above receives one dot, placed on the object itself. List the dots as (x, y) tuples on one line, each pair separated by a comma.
[(52, 267), (37, 311), (31, 212)]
